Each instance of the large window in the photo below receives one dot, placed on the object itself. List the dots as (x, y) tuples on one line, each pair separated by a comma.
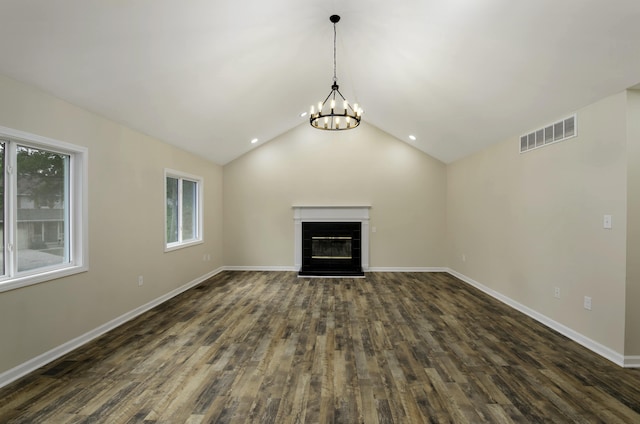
[(42, 209), (183, 209)]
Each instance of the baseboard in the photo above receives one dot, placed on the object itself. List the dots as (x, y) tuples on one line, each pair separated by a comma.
[(31, 365), (258, 268), (407, 269), (632, 361), (372, 269), (610, 354)]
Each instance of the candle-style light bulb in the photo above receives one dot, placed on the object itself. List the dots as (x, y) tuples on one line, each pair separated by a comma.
[(319, 107), (313, 110), (333, 104), (337, 123)]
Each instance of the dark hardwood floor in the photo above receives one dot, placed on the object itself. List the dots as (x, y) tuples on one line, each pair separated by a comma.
[(249, 347)]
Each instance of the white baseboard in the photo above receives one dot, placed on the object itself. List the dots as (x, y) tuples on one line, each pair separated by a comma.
[(407, 269), (258, 268), (371, 269), (55, 353), (610, 354), (632, 361)]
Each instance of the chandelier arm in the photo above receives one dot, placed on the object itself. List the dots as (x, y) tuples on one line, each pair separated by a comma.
[(325, 100), (348, 105), (343, 98)]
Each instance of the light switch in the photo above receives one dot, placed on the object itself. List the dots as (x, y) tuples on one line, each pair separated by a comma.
[(607, 222)]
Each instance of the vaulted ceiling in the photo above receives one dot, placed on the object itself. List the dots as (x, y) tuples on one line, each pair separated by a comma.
[(210, 75)]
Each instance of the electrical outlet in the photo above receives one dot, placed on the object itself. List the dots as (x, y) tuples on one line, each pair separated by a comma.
[(556, 292), (140, 280), (587, 303)]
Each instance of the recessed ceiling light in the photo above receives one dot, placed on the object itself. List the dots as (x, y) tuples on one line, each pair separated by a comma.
[(254, 141), (412, 137)]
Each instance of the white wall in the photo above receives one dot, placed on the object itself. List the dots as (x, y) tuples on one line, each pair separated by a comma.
[(528, 223), (365, 166), (126, 227)]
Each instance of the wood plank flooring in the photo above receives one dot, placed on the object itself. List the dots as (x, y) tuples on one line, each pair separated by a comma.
[(254, 347)]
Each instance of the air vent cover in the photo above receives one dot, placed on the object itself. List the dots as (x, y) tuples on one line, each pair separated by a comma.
[(552, 133)]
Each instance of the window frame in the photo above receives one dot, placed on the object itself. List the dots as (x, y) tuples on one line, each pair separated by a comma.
[(199, 239), (78, 211)]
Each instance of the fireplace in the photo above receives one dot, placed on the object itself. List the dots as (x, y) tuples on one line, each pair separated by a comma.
[(335, 240), (331, 248)]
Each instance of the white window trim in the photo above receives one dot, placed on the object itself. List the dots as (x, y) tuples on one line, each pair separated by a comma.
[(172, 173), (78, 213)]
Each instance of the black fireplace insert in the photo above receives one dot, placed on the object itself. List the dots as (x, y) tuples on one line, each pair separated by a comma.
[(331, 249)]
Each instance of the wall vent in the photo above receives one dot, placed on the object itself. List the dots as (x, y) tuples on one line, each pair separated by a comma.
[(552, 133)]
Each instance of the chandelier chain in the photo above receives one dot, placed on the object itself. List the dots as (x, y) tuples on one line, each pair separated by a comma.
[(335, 79)]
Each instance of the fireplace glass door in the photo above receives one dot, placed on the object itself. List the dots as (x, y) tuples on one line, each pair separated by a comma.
[(331, 248)]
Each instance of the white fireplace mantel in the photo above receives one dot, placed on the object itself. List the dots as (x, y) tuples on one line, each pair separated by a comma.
[(330, 214)]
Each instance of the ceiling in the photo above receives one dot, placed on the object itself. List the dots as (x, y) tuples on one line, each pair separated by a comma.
[(211, 75)]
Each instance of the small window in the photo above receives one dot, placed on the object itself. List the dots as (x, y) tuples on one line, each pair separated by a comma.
[(183, 209), (42, 209)]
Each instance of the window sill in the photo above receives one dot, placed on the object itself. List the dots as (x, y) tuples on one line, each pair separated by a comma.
[(41, 277), (172, 247)]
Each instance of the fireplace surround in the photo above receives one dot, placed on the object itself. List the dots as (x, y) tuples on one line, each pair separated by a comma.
[(331, 240)]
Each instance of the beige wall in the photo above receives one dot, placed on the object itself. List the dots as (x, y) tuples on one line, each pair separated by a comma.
[(405, 188), (632, 339), (126, 214), (524, 223), (530, 222)]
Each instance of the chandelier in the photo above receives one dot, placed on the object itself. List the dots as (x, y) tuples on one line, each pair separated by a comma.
[(335, 113)]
